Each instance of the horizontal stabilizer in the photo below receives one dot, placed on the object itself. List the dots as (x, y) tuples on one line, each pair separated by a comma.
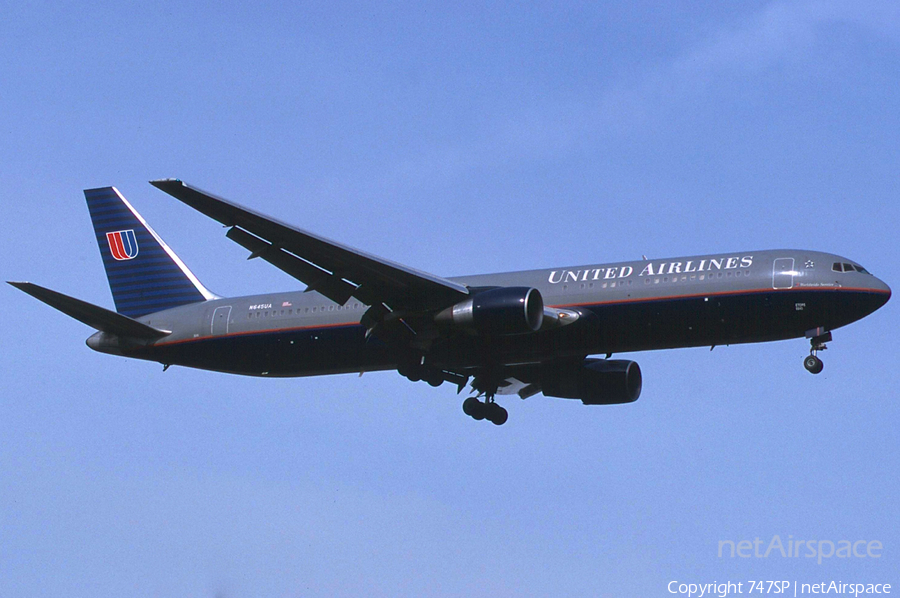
[(94, 316)]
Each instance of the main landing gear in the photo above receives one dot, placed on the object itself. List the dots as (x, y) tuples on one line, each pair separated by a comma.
[(486, 385), (488, 410), (812, 363), (415, 371)]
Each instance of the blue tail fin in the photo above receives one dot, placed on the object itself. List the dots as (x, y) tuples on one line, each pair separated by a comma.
[(145, 276)]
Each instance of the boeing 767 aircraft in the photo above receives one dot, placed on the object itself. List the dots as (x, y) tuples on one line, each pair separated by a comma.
[(512, 333)]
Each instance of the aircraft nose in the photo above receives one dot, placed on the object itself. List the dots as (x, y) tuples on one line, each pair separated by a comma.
[(883, 288)]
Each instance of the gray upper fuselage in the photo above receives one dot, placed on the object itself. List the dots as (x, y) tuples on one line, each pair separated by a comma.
[(593, 284)]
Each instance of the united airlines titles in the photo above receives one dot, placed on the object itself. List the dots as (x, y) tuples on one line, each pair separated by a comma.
[(651, 269)]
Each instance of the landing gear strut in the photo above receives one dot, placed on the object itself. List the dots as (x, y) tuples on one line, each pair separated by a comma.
[(812, 363), (488, 410)]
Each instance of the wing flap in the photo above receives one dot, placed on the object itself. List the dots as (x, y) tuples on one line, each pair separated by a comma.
[(94, 316), (316, 279), (373, 279)]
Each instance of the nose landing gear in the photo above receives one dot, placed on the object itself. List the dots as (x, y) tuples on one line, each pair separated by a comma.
[(817, 341), (813, 364)]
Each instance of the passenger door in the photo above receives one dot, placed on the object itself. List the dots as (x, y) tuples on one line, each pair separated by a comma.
[(220, 317), (783, 273)]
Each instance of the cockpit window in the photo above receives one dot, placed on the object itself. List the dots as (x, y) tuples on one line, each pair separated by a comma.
[(845, 267)]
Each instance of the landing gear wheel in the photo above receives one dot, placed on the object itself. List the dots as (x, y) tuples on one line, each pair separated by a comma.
[(411, 368), (433, 378), (475, 408), (496, 414), (813, 364), (490, 411), (471, 406)]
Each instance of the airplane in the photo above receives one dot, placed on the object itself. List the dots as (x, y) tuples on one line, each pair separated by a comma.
[(514, 333)]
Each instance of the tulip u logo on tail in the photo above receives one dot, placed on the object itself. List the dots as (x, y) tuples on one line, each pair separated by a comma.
[(123, 244), (145, 275)]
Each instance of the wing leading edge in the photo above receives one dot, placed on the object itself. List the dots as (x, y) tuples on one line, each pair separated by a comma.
[(330, 268)]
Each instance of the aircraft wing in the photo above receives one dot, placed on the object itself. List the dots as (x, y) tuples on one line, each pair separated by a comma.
[(332, 269)]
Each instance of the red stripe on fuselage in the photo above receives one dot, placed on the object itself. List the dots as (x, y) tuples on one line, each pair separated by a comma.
[(264, 331), (592, 303)]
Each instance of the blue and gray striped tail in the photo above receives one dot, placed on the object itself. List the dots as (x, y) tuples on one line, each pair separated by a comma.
[(145, 276)]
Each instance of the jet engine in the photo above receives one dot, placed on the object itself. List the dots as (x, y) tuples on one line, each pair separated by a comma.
[(594, 381), (504, 310)]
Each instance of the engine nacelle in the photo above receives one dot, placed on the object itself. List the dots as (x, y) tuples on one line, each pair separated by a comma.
[(505, 310), (594, 381)]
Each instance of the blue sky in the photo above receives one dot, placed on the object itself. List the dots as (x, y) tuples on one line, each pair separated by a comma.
[(462, 139)]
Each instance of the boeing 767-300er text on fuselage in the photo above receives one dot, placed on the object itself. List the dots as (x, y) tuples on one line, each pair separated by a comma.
[(512, 333)]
